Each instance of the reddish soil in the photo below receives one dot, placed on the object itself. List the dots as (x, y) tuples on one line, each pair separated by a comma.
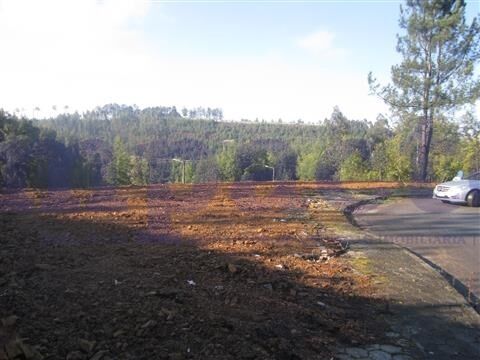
[(175, 272)]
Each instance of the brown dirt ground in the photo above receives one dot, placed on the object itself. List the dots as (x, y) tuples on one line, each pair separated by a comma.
[(176, 272)]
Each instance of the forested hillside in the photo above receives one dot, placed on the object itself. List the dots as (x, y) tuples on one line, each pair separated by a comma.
[(31, 156), (122, 145)]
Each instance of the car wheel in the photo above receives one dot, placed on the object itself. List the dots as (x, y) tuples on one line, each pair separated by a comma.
[(446, 201), (473, 198)]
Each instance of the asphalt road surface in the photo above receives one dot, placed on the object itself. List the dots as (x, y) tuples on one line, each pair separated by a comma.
[(447, 235)]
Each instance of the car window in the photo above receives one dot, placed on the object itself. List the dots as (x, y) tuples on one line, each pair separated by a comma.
[(475, 176)]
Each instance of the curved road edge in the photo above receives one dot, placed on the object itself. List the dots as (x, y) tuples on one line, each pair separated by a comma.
[(457, 284)]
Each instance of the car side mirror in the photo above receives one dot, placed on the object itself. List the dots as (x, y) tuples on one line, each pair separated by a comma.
[(459, 176)]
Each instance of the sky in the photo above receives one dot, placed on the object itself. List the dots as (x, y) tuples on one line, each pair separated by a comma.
[(254, 59)]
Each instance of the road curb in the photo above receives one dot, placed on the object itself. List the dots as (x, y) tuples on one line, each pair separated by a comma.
[(459, 286)]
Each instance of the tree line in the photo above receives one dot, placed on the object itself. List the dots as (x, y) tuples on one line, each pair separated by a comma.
[(122, 145)]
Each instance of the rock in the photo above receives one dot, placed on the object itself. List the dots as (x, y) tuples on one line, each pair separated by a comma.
[(86, 346), (343, 357), (171, 315), (380, 355), (118, 333), (402, 357), (75, 355), (268, 286), (356, 352), (392, 334), (232, 268), (391, 349), (148, 324), (99, 355)]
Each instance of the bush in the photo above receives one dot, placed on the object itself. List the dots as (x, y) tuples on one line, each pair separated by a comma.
[(353, 168)]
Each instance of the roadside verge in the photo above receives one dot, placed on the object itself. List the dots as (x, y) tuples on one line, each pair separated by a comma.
[(428, 318)]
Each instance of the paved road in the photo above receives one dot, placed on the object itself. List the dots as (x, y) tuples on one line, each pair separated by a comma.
[(448, 235)]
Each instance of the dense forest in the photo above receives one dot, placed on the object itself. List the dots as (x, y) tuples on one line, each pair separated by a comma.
[(122, 145)]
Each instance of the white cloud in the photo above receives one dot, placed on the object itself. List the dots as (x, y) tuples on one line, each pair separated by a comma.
[(321, 43)]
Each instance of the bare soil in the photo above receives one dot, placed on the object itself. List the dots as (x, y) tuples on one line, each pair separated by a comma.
[(176, 272)]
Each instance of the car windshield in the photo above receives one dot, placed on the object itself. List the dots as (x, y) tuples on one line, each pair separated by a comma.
[(475, 176)]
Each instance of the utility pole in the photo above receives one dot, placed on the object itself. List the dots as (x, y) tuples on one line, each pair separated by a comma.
[(184, 165), (183, 172)]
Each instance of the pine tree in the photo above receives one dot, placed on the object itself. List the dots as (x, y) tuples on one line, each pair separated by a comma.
[(436, 74), (139, 171), (120, 166)]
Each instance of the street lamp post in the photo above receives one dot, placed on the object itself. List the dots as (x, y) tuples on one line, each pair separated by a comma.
[(273, 171), (183, 168)]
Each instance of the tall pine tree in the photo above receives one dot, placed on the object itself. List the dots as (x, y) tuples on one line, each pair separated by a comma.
[(439, 51)]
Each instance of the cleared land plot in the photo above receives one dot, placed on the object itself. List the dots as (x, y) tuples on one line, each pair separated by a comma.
[(202, 271)]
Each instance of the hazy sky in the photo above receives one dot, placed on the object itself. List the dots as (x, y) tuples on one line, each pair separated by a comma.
[(265, 59)]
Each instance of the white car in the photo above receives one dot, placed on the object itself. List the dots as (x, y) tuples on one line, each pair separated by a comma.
[(460, 190)]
